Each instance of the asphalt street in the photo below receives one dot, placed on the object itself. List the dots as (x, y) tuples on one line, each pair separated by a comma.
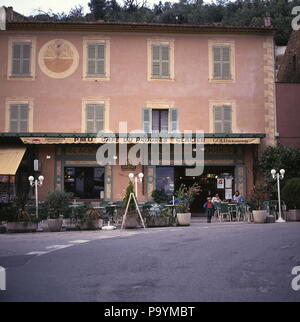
[(217, 262)]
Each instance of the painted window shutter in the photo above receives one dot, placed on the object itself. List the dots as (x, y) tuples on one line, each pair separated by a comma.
[(155, 61), (227, 119), (90, 117), (217, 62), (164, 119), (19, 115), (165, 61), (174, 120), (155, 121), (147, 120), (99, 117), (96, 59), (226, 74), (21, 56), (222, 119)]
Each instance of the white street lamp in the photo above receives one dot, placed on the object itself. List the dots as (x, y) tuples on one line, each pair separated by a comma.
[(36, 183), (278, 176), (136, 179)]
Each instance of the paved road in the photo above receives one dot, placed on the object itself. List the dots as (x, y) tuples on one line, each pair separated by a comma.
[(218, 262)]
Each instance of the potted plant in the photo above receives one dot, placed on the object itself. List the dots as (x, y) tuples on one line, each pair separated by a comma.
[(185, 196), (19, 220), (57, 206), (91, 220), (258, 196), (131, 220), (159, 196), (291, 196), (158, 217)]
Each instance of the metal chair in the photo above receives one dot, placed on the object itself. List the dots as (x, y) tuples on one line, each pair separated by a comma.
[(223, 211)]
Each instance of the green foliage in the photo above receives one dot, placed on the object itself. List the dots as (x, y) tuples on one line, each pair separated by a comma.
[(225, 12), (259, 195), (291, 193), (159, 196), (57, 204), (279, 157), (129, 190), (186, 195)]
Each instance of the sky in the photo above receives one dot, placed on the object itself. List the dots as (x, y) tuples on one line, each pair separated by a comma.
[(26, 7)]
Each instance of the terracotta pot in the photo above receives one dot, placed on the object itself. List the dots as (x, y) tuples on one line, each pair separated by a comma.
[(21, 227), (184, 219), (260, 216), (293, 215), (54, 225)]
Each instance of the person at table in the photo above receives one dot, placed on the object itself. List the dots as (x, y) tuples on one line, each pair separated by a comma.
[(209, 209), (237, 197), (216, 200)]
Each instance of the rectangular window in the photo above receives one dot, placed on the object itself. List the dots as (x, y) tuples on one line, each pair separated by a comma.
[(160, 61), (21, 59), (222, 119), (18, 117), (95, 118), (96, 60), (221, 62), (160, 120)]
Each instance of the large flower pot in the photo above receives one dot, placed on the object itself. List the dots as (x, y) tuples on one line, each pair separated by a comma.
[(260, 216), (54, 225), (158, 221), (21, 227), (91, 224), (184, 219), (293, 215), (131, 220)]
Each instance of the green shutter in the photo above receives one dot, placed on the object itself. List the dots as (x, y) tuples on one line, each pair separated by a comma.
[(147, 120)]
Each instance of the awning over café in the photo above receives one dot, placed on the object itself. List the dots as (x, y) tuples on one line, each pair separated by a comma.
[(10, 159)]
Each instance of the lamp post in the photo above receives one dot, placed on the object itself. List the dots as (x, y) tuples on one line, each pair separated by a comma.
[(277, 176), (136, 179), (36, 183)]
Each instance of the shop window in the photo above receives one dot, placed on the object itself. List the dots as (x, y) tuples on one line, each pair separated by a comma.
[(85, 182), (165, 179)]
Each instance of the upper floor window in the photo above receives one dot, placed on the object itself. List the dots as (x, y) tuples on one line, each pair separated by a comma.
[(19, 118), (96, 59), (160, 120), (22, 58), (94, 118), (221, 61), (222, 119), (160, 60)]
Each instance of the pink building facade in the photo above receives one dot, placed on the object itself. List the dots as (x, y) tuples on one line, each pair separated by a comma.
[(61, 83)]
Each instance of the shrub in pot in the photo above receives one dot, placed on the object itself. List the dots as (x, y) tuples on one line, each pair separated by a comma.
[(21, 222), (91, 220), (131, 220), (186, 196), (157, 217), (291, 196), (57, 206)]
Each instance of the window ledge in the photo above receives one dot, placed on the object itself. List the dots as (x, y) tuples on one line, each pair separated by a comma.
[(222, 80), (21, 77), (94, 78)]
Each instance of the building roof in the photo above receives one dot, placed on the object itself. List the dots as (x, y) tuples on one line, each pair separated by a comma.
[(136, 27)]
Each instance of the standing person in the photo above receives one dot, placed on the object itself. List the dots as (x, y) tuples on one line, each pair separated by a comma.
[(209, 209), (237, 197)]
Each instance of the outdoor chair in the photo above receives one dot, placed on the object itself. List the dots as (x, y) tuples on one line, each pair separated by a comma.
[(223, 211)]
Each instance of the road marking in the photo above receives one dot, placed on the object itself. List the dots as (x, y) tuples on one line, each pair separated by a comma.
[(79, 241), (38, 253), (57, 247)]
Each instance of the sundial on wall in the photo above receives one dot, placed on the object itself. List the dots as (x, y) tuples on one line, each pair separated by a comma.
[(58, 58)]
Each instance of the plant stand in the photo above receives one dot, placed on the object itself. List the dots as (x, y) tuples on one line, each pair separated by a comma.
[(132, 195)]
